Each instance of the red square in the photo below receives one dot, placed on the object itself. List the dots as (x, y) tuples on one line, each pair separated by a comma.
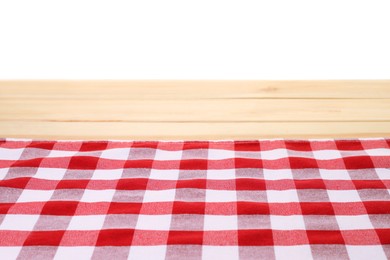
[(93, 146), (255, 237), (358, 162), (191, 184), (83, 162), (248, 163), (115, 237), (310, 184), (44, 238), (302, 163), (384, 235), (149, 144), (325, 237), (59, 208), (377, 207), (252, 208), (72, 184), (369, 184), (247, 146), (298, 145), (185, 237), (132, 184), (42, 145), (250, 184), (317, 208), (183, 207), (124, 208), (195, 145), (36, 162), (194, 164), (4, 207), (17, 183), (349, 145)]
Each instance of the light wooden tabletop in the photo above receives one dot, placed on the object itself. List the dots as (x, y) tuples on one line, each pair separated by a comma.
[(194, 110)]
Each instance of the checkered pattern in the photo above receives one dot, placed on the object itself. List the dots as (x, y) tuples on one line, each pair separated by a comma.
[(263, 199)]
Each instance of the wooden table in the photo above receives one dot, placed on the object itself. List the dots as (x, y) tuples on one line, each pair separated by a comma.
[(168, 110)]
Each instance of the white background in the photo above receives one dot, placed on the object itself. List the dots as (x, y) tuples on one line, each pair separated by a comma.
[(200, 39)]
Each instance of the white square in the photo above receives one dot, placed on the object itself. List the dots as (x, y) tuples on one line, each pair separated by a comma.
[(74, 252), (366, 252), (343, 196), (171, 174), (35, 195), (326, 154), (154, 222), (10, 154), (114, 174), (378, 152), (3, 173), (282, 196), (163, 155), (221, 195), (383, 173), (97, 195), (89, 222), (19, 222), (10, 252), (293, 252), (354, 222), (334, 174), (225, 174), (220, 252), (50, 173), (294, 222), (147, 252), (57, 153), (116, 154), (219, 154), (281, 174), (159, 195), (274, 154), (216, 222)]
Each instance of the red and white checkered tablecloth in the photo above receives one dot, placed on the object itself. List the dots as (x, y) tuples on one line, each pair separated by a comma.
[(262, 199)]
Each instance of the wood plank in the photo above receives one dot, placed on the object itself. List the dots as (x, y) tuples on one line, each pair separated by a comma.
[(193, 89), (230, 110), (191, 131)]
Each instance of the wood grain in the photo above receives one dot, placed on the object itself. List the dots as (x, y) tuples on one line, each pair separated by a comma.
[(191, 131), (191, 110), (229, 110), (193, 89)]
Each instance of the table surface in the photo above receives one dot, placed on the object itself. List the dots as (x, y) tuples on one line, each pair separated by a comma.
[(194, 110)]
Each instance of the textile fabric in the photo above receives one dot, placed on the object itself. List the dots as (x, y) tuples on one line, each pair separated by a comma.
[(260, 199)]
